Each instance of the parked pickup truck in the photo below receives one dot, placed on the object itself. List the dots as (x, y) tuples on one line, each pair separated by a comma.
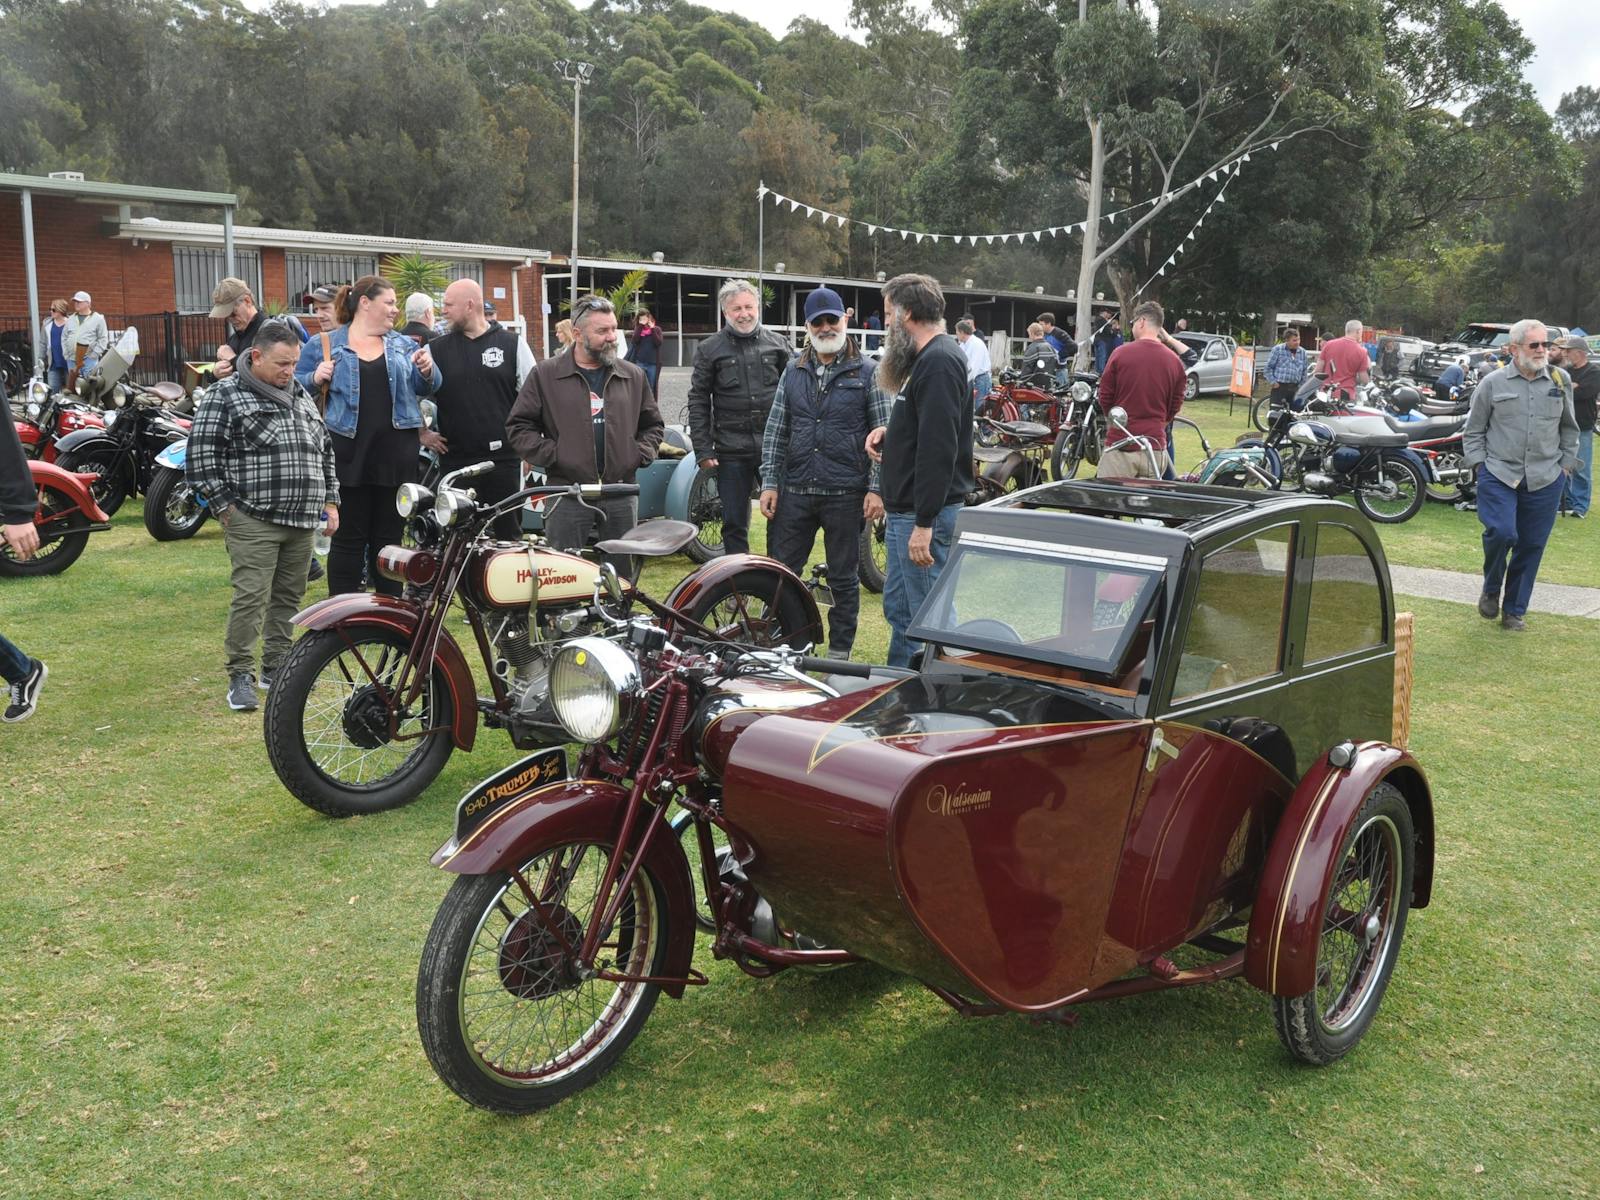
[(1479, 341)]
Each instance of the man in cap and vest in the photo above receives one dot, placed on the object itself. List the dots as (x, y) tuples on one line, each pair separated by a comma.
[(815, 473)]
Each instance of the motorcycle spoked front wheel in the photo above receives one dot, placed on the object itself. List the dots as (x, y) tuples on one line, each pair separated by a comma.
[(327, 724), (172, 509), (508, 1020), (57, 551)]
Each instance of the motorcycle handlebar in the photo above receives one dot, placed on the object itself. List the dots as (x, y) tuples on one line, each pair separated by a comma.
[(842, 666)]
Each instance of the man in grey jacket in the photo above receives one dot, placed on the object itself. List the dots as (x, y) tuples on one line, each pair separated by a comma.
[(86, 338), (735, 373), (1522, 437)]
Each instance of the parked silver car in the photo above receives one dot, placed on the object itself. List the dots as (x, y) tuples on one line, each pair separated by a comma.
[(1214, 371)]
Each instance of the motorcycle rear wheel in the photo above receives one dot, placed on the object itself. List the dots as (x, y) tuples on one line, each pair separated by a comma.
[(53, 556), (1446, 493), (326, 725), (1410, 491), (172, 511), (505, 1020), (874, 566), (705, 513), (751, 609)]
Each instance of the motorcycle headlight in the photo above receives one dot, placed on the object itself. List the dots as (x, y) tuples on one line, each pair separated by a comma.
[(1080, 391), (450, 507), (593, 683), (33, 408), (111, 417), (412, 498)]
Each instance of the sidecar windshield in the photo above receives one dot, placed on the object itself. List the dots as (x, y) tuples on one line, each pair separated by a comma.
[(1076, 606)]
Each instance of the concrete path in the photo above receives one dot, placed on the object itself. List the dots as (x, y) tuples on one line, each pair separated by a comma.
[(1559, 598)]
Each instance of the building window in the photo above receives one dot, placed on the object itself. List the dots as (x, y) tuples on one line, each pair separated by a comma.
[(306, 271), (464, 268), (198, 269)]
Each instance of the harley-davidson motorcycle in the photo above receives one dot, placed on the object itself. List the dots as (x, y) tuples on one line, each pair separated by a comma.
[(66, 516), (45, 417), (369, 705)]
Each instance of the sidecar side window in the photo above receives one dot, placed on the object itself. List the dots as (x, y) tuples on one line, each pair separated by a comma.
[(1347, 607), (1235, 632)]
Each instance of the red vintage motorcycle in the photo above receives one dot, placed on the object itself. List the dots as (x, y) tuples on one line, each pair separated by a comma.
[(369, 705), (66, 516), (45, 417)]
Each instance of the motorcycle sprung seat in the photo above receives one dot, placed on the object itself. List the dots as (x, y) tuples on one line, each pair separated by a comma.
[(1027, 431), (652, 539), (167, 392), (1427, 431), (991, 454)]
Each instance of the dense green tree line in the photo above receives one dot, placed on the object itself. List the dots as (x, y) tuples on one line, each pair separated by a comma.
[(1406, 194)]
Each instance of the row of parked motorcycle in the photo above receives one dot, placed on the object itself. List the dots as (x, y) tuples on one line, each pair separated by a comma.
[(1390, 447)]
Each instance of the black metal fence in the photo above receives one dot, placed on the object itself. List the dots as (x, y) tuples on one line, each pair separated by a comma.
[(166, 341)]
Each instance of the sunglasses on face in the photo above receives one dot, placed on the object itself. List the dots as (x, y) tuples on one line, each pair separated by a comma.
[(827, 319), (1538, 345)]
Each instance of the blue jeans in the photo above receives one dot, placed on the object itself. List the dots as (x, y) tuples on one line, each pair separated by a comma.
[(1580, 484), (56, 379), (1515, 522), (908, 585), (14, 664), (736, 478), (982, 385)]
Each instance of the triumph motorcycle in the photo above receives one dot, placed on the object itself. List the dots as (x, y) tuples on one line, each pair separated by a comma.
[(369, 705)]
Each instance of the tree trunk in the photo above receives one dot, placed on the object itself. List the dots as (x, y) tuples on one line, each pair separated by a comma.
[(1091, 243)]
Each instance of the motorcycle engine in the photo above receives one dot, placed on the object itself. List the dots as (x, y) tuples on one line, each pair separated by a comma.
[(523, 664), (1317, 481)]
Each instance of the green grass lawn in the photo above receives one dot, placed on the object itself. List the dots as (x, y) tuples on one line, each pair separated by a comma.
[(208, 989)]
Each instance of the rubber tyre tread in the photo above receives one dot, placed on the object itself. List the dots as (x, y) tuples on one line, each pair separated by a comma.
[(1411, 509), (166, 482), (70, 548), (763, 584), (871, 575), (283, 722), (1064, 464), (697, 550), (1296, 1016), (438, 981)]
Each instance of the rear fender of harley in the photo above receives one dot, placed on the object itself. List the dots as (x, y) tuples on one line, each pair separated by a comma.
[(75, 487), (998, 472), (1286, 922), (702, 579), (358, 610), (576, 810)]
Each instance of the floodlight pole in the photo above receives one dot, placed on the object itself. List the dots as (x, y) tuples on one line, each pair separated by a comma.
[(577, 74)]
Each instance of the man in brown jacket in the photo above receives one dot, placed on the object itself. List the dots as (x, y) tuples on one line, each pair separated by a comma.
[(587, 416)]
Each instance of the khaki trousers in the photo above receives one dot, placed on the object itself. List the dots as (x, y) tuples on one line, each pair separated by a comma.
[(270, 562), (1127, 464)]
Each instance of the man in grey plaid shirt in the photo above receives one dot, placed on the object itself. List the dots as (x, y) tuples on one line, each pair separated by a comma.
[(261, 456)]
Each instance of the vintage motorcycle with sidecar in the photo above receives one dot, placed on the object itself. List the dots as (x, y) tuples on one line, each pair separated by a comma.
[(369, 705), (1153, 742)]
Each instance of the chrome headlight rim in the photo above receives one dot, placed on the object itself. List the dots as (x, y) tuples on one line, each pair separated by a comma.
[(411, 498), (593, 685), (449, 507), (1080, 391)]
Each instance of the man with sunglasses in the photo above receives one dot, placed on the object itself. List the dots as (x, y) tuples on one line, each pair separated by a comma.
[(731, 385), (815, 471), (1522, 436)]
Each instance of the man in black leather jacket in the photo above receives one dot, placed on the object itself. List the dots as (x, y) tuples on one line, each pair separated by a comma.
[(735, 373)]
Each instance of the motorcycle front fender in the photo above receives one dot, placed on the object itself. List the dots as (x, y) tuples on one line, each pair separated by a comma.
[(85, 440), (575, 810), (76, 487), (1286, 920), (175, 455), (356, 610)]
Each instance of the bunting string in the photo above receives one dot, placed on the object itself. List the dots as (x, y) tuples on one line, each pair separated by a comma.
[(1226, 172)]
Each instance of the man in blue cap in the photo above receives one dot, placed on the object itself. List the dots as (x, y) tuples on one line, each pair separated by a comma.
[(815, 473)]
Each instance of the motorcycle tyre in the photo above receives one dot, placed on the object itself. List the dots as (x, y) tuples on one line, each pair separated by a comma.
[(1419, 495), (702, 550), (761, 584), (439, 977), (109, 491), (283, 726), (1066, 457), (167, 481), (873, 575), (67, 547)]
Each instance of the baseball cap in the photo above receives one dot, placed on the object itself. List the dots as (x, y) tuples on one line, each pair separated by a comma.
[(1573, 343), (322, 294), (824, 302), (226, 294), (81, 297)]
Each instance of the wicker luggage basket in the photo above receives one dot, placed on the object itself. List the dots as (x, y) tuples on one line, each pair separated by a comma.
[(1404, 648)]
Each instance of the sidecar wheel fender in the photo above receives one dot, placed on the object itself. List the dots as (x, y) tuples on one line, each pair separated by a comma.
[(676, 504), (574, 810), (354, 609), (1286, 921)]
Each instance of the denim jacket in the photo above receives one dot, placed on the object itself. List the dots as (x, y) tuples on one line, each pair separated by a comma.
[(406, 383)]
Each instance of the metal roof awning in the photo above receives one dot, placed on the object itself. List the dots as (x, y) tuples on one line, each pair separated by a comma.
[(157, 230)]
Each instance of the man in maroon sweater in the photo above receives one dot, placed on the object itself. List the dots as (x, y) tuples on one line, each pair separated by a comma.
[(1146, 379)]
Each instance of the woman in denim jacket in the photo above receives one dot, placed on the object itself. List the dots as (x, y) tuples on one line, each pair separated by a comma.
[(374, 377)]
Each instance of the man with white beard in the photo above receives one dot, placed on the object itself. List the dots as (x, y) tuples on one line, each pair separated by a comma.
[(815, 473)]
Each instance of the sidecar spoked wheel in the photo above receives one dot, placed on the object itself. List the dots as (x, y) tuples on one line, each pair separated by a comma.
[(506, 1018), (57, 551), (750, 609), (705, 513), (1364, 919), (327, 726), (683, 825)]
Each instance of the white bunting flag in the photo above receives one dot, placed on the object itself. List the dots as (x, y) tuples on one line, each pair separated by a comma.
[(872, 230), (762, 191), (1274, 145), (919, 239)]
